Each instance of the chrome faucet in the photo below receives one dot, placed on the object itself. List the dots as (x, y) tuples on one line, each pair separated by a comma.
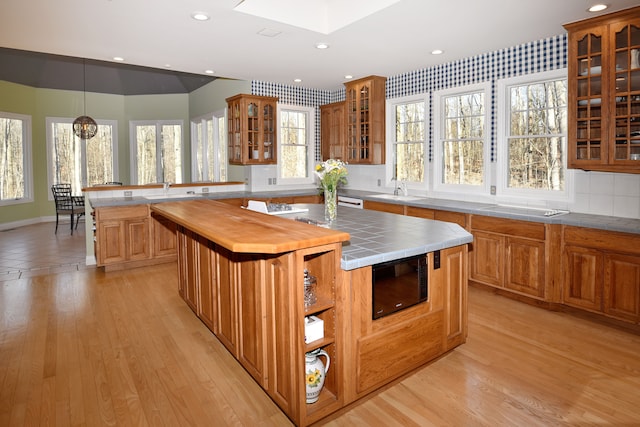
[(165, 186), (401, 187)]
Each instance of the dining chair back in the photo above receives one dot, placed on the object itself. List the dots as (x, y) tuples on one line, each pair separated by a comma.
[(67, 204)]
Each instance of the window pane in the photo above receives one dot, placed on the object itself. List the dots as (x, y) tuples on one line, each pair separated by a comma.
[(65, 157), (463, 162), (409, 145), (171, 153), (12, 159), (537, 135), (222, 148), (199, 149), (100, 156), (536, 163), (146, 152), (463, 135), (293, 138)]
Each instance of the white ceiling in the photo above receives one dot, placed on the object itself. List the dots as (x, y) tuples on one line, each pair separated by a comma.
[(391, 41)]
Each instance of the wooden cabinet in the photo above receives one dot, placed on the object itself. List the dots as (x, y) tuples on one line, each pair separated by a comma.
[(384, 207), (252, 129), (604, 92), (128, 236), (122, 234), (332, 131), (511, 254), (602, 272), (365, 120)]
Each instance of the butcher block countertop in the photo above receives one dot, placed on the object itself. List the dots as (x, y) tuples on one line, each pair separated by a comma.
[(243, 231)]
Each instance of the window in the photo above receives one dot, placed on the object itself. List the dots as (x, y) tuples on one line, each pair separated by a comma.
[(156, 152), (533, 128), (78, 162), (296, 144), (15, 161), (407, 134), (461, 139), (209, 149)]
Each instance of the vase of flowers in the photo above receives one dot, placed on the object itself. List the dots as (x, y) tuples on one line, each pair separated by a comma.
[(331, 173)]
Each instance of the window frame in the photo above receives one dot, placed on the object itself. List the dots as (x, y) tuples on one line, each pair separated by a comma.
[(216, 117), (503, 109), (83, 150), (133, 146), (390, 173), (458, 191), (310, 114), (27, 167)]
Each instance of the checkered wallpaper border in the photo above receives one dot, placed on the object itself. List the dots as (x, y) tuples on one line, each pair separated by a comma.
[(537, 56)]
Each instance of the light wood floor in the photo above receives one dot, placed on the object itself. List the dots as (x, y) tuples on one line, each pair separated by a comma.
[(83, 347)]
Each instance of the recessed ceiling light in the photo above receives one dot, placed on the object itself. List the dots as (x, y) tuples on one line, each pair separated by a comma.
[(167, 65), (118, 58), (200, 16), (268, 32), (598, 7), (208, 71), (437, 52), (322, 45), (297, 80), (348, 76)]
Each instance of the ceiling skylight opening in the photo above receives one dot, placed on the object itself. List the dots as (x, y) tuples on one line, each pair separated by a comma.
[(322, 45), (598, 7), (200, 16)]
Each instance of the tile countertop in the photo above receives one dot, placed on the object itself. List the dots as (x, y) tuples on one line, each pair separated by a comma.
[(379, 236), (602, 222)]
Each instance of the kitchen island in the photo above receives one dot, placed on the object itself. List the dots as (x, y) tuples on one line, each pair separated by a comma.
[(242, 273)]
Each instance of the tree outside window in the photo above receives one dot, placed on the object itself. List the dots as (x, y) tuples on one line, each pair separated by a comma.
[(157, 152), (536, 137), (80, 162), (296, 129), (15, 149), (409, 144)]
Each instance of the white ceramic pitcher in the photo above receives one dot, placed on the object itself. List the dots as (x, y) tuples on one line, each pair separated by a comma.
[(314, 373)]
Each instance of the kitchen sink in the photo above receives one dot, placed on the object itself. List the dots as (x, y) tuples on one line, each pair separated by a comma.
[(171, 196), (397, 197)]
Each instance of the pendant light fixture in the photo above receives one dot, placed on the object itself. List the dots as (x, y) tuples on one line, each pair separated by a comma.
[(85, 127)]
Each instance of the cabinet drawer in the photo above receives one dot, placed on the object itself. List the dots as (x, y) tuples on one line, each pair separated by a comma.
[(602, 239), (122, 212), (531, 230)]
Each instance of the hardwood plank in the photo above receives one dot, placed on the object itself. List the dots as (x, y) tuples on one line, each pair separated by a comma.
[(122, 348)]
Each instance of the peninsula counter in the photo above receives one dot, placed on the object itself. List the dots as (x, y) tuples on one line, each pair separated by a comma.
[(242, 273)]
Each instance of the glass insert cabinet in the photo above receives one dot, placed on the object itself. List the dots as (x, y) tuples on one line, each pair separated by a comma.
[(604, 92), (252, 129)]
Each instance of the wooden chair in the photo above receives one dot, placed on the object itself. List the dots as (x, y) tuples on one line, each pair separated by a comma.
[(66, 204)]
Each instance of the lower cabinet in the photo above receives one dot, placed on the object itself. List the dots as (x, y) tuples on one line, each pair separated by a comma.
[(514, 255), (602, 272), (130, 236)]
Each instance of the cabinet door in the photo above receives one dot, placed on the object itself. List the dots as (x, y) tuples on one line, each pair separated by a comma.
[(622, 286), (365, 120), (251, 312), (137, 237), (111, 242), (583, 278), (190, 290), (487, 258), (525, 266), (384, 207), (332, 131), (455, 299)]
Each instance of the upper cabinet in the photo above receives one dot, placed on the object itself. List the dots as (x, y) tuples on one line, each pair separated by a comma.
[(252, 129), (332, 131), (604, 92), (365, 121)]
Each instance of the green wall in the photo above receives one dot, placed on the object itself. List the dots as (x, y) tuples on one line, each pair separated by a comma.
[(43, 103)]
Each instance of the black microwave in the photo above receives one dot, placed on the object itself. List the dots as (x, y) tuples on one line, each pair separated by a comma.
[(399, 284)]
